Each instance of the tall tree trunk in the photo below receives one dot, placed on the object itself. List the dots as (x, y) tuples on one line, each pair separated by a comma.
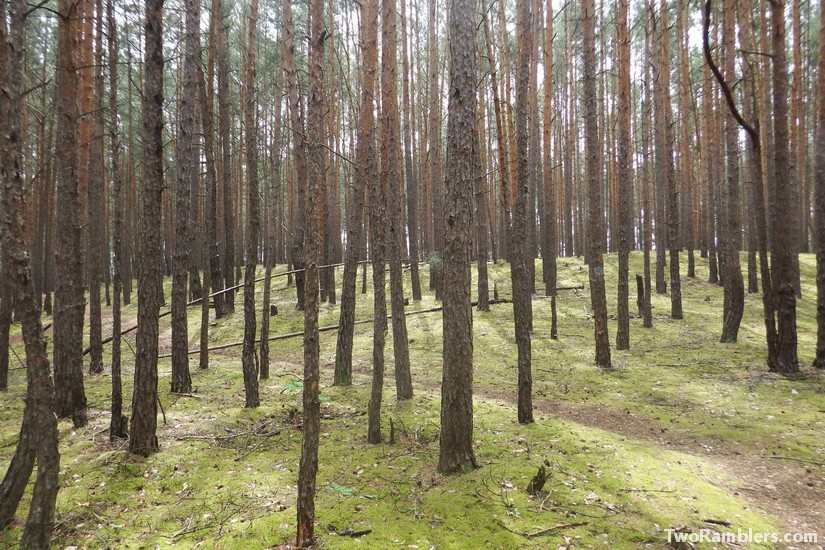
[(819, 196), (248, 357), (411, 176), (782, 214), (38, 434), (434, 154), (734, 287), (69, 303), (518, 243), (224, 131), (118, 423), (188, 170), (96, 200), (389, 131), (271, 249), (312, 405), (355, 226), (299, 148), (598, 297), (143, 438), (456, 439), (625, 183)]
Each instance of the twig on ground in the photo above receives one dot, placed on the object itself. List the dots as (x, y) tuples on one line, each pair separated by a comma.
[(780, 457)]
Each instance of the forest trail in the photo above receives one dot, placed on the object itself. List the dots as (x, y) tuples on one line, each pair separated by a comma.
[(790, 490)]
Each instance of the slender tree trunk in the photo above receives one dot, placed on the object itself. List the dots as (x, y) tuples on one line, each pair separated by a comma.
[(625, 184), (143, 438), (299, 146), (518, 244), (591, 134), (355, 226), (96, 201), (377, 253), (734, 288), (782, 214), (248, 356), (390, 138), (118, 424), (5, 321), (312, 405), (270, 231), (819, 196), (224, 131), (411, 176), (188, 169)]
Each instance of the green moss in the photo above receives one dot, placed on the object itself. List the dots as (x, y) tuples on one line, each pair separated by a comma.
[(226, 476)]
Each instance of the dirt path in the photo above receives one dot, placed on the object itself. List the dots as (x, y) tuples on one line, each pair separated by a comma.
[(791, 491)]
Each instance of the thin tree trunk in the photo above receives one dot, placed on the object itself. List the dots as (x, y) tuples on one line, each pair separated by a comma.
[(518, 244), (118, 423), (625, 184), (355, 225), (819, 196), (248, 357), (311, 403), (390, 138)]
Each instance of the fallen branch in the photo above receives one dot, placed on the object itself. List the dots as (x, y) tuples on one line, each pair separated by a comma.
[(554, 528), (780, 457), (326, 328)]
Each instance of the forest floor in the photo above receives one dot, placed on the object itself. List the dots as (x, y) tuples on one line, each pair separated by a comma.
[(683, 432)]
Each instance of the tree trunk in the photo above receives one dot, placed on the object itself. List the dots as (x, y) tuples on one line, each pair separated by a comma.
[(315, 185), (96, 199), (143, 431), (224, 125), (355, 225), (625, 183), (38, 435), (69, 303), (734, 287), (390, 137), (118, 422), (819, 196), (518, 244), (188, 170), (782, 213), (598, 297), (410, 173), (456, 439), (248, 357)]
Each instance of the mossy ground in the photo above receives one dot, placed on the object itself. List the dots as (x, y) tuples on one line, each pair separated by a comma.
[(631, 452)]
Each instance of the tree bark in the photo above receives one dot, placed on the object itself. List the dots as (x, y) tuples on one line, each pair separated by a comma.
[(38, 436), (518, 244), (784, 249), (819, 196), (355, 225), (69, 302), (598, 297), (118, 423), (624, 184), (248, 357), (311, 403), (143, 438), (456, 439), (390, 137)]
